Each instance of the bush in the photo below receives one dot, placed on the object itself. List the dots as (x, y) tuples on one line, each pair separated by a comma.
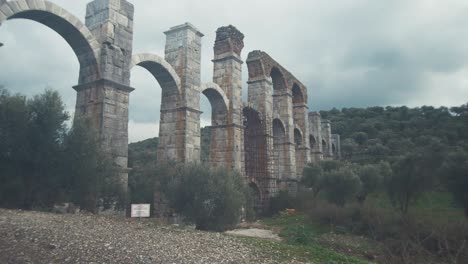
[(282, 201), (371, 177), (90, 176), (405, 238), (455, 173), (212, 199), (313, 178), (341, 185), (413, 174)]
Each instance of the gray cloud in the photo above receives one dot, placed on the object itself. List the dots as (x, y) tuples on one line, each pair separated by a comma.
[(351, 53)]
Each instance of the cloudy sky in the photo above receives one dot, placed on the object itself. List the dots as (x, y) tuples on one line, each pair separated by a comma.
[(349, 53)]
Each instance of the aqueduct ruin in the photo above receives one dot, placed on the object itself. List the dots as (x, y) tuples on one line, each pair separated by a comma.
[(269, 139)]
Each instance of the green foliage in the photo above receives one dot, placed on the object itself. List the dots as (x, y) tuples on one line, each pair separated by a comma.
[(212, 199), (455, 173), (410, 238), (41, 163), (31, 132), (144, 171), (373, 134), (302, 241), (341, 185), (313, 178), (371, 177), (283, 200), (413, 175), (338, 180), (89, 172)]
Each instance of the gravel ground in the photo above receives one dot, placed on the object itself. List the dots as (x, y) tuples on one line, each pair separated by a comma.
[(33, 237)]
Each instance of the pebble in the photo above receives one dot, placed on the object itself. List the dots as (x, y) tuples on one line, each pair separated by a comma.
[(110, 239)]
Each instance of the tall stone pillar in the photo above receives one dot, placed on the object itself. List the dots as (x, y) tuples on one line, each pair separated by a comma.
[(104, 96), (260, 97), (183, 52), (315, 138), (336, 141), (283, 107), (227, 73), (327, 136), (303, 156)]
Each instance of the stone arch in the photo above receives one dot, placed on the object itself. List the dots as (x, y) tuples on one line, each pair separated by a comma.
[(298, 96), (324, 146), (297, 137), (279, 129), (278, 80), (171, 146), (219, 102), (279, 140), (255, 144), (164, 74), (75, 33), (256, 195), (312, 142)]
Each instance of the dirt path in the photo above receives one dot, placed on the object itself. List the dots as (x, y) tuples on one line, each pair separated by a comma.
[(33, 237)]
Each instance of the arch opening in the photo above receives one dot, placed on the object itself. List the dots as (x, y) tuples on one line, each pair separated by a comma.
[(298, 97), (312, 143), (297, 137), (257, 196), (74, 32), (279, 83), (255, 145), (164, 74), (218, 102), (213, 134), (279, 138), (324, 146)]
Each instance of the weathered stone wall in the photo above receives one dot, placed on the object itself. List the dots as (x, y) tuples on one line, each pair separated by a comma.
[(315, 125), (183, 52), (227, 73), (269, 139), (327, 139), (336, 146), (105, 100)]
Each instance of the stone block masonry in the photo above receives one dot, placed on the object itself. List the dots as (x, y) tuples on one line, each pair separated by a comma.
[(268, 139)]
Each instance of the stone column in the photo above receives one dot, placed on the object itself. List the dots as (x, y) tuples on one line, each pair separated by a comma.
[(260, 97), (104, 97), (227, 73), (327, 136), (303, 156), (183, 52), (336, 140), (284, 109), (315, 130)]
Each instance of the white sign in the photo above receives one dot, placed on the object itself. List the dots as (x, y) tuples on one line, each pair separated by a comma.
[(141, 210)]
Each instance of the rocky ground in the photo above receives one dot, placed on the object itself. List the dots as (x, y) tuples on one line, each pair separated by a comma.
[(33, 237)]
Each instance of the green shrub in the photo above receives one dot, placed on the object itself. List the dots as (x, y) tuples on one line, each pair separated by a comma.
[(455, 174), (283, 200), (413, 174), (341, 185), (405, 238), (212, 199), (371, 177)]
